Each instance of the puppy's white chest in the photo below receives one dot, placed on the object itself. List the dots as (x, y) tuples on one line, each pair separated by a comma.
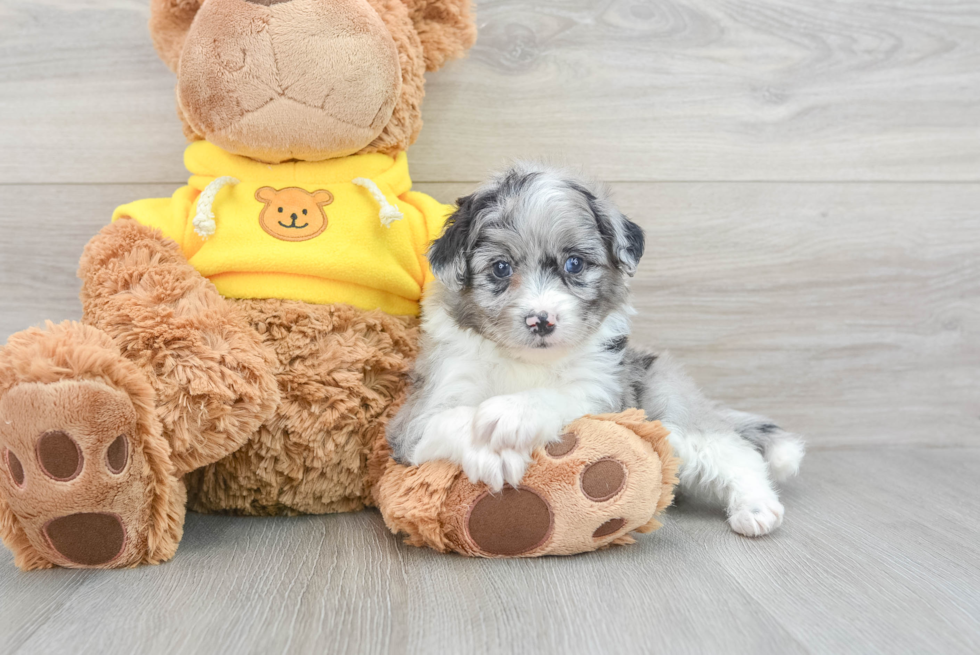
[(508, 377)]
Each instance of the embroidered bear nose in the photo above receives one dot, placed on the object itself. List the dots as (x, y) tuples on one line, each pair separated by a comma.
[(293, 216)]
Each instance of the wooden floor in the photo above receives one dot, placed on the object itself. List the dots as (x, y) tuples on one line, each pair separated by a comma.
[(808, 175), (873, 559)]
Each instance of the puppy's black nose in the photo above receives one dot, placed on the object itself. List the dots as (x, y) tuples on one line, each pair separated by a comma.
[(541, 324)]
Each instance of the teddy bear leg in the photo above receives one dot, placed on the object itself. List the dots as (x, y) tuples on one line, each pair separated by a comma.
[(213, 377), (610, 475), (85, 476)]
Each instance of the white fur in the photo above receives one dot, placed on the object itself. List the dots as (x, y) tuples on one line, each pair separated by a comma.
[(509, 403), (784, 459), (716, 461)]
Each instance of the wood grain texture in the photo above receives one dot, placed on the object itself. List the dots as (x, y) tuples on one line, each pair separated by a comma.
[(638, 89), (865, 562), (879, 553)]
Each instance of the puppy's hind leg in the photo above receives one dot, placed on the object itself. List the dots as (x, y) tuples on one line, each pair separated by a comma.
[(727, 467), (715, 458), (783, 451)]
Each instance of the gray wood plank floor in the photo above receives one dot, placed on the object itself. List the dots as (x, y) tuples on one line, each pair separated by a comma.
[(808, 175), (871, 559)]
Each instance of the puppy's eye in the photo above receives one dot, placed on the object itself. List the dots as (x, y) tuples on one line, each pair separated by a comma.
[(280, 210), (304, 212), (502, 269), (574, 265)]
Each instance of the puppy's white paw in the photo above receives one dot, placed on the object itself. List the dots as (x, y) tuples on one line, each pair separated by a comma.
[(514, 465), (757, 516), (494, 468), (511, 423), (447, 434)]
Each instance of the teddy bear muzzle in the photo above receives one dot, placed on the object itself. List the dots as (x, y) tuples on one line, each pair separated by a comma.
[(272, 79)]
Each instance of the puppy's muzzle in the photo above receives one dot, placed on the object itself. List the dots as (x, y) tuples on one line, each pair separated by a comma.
[(542, 324)]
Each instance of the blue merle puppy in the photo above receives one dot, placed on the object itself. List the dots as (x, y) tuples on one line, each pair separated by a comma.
[(526, 328)]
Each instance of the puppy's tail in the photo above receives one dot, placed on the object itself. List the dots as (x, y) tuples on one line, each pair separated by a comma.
[(783, 451)]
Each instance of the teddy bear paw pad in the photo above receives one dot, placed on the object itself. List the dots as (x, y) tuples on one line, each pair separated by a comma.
[(71, 474), (603, 479), (586, 490), (88, 539), (513, 522)]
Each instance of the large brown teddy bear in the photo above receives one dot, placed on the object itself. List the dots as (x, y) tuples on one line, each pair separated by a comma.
[(245, 342)]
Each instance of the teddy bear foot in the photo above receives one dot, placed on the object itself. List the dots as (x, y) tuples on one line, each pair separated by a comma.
[(609, 476), (80, 478)]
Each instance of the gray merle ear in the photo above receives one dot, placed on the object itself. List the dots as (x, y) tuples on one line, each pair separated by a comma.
[(627, 240), (623, 238), (448, 254)]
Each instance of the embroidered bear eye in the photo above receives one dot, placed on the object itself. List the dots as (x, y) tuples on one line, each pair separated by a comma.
[(304, 212), (280, 210)]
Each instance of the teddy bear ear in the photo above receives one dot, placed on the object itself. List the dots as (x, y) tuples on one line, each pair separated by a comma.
[(266, 194), (322, 197), (170, 21), (446, 28)]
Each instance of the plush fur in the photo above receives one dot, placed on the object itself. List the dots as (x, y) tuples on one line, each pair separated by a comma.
[(71, 376), (259, 407), (342, 374), (424, 502), (445, 28), (212, 377), (527, 327), (271, 104)]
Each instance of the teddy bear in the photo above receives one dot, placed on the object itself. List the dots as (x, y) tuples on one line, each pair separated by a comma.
[(245, 341)]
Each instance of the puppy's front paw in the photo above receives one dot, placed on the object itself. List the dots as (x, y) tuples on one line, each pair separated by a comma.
[(756, 517), (494, 468), (510, 423)]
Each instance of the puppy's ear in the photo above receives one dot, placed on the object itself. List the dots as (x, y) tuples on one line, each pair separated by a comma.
[(446, 29), (623, 237), (170, 21), (448, 254)]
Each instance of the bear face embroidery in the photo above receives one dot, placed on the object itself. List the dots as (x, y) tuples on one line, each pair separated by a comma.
[(293, 214)]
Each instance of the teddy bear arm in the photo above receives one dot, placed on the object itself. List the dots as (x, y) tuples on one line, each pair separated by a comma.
[(609, 476), (211, 372)]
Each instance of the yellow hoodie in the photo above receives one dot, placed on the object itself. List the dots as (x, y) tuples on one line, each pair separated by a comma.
[(346, 230)]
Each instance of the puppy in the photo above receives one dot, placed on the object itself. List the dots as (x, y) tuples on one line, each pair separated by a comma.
[(526, 328)]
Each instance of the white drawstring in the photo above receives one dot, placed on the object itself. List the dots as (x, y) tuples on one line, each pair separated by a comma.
[(389, 212), (204, 223)]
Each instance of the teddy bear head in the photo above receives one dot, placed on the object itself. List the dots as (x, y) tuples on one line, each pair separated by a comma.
[(278, 80)]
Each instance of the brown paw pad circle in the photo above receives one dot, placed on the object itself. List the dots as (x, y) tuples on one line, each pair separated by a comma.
[(15, 468), (603, 479), (513, 522), (87, 539), (609, 527), (561, 448), (59, 456), (117, 455)]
